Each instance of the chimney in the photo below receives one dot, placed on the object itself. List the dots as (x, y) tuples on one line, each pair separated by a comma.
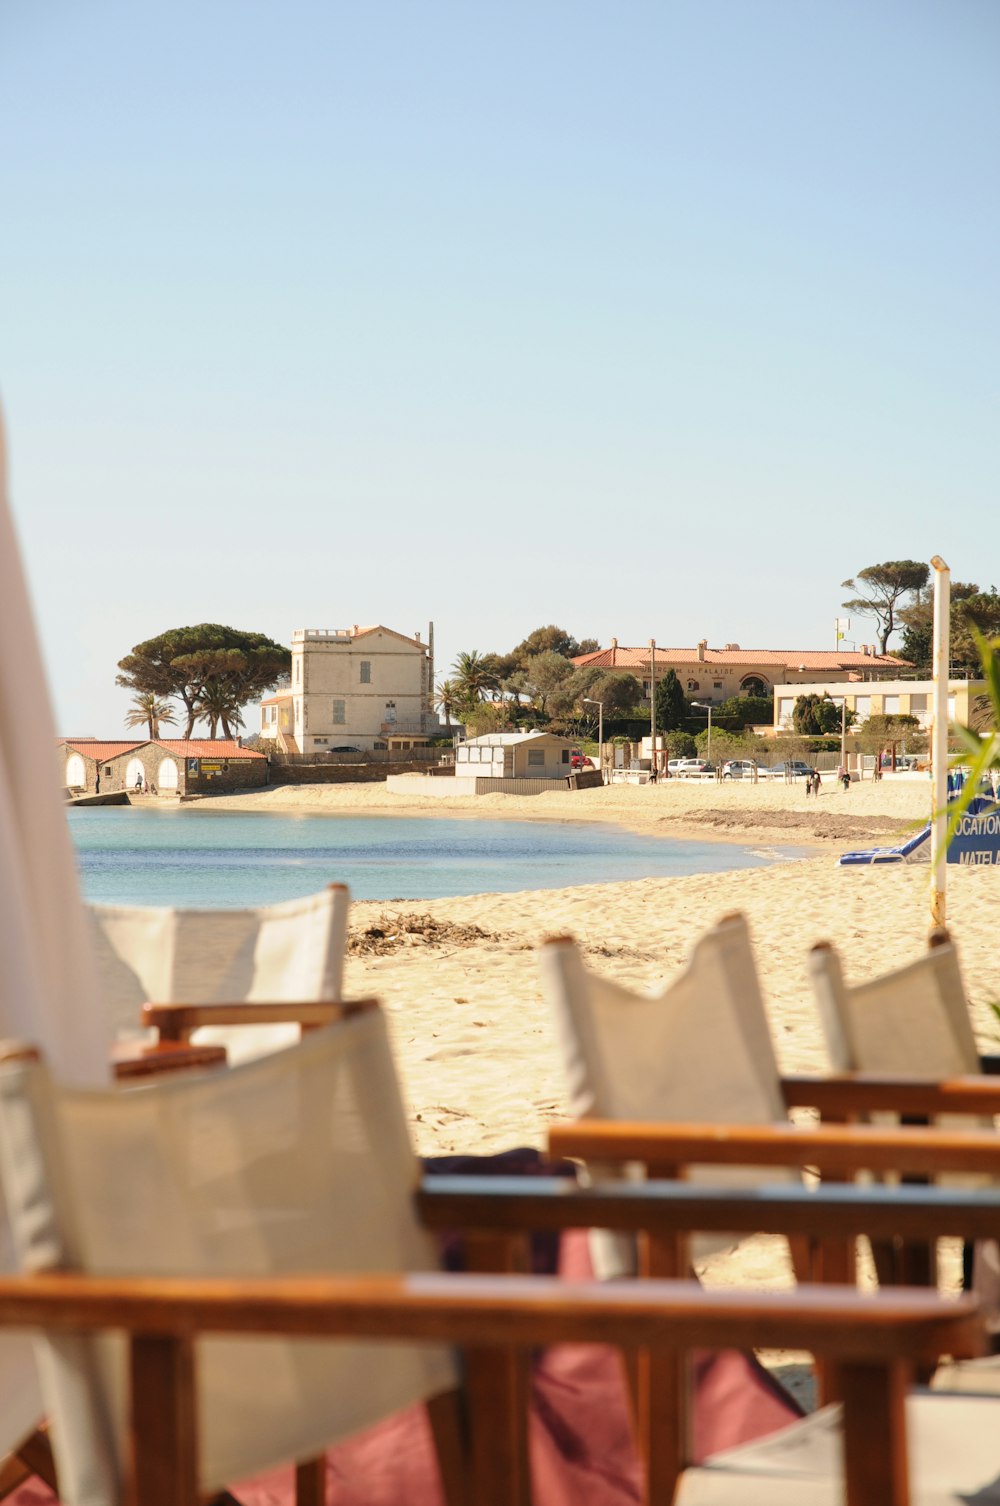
[(702, 646)]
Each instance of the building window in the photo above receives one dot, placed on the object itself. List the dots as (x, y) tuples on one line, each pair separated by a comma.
[(319, 741), (565, 755), (918, 702), (862, 707), (366, 671), (298, 671), (390, 713), (755, 686), (536, 756), (716, 684), (693, 685), (890, 705), (339, 716)]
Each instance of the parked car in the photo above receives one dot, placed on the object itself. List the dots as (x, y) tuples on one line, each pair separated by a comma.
[(578, 760), (738, 768), (344, 748), (794, 768), (681, 768)]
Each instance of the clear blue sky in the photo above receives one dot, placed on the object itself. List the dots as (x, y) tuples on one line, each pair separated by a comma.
[(652, 318)]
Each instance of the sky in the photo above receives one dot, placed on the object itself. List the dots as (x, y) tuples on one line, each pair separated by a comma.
[(654, 319)]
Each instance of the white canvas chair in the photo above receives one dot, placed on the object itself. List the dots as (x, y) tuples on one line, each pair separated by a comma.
[(914, 1020), (297, 1162), (699, 1052), (300, 1163), (289, 952)]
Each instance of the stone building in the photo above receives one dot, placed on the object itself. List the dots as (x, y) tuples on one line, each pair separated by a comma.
[(353, 688), (715, 674), (168, 766)]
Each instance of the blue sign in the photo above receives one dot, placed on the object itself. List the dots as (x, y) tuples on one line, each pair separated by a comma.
[(977, 839)]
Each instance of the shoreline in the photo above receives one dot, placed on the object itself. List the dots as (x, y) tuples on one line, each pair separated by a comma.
[(755, 815)]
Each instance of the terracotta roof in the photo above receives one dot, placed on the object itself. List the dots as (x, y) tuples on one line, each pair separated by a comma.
[(199, 747), (90, 747), (284, 695), (206, 747), (794, 658)]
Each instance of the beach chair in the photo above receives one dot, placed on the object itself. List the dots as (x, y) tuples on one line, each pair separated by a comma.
[(954, 1448), (699, 1052), (187, 1208), (185, 960), (913, 1021)]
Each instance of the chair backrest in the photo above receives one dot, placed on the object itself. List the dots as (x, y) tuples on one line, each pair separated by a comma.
[(289, 952), (700, 1051), (914, 1020), (298, 1162)]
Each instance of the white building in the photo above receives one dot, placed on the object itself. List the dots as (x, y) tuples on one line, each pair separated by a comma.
[(354, 688), (514, 755), (883, 698)]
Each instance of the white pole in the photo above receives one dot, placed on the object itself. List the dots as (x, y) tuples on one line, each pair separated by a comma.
[(708, 750), (939, 739)]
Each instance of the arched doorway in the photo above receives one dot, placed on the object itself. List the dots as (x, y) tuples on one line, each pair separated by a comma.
[(166, 775), (76, 772), (135, 774), (756, 686)]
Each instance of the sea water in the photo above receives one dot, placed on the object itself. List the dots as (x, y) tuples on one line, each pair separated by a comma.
[(179, 856)]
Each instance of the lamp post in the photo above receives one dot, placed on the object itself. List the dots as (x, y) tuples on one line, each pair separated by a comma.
[(589, 701), (705, 706)]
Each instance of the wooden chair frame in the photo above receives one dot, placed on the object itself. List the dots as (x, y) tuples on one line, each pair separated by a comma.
[(876, 1344)]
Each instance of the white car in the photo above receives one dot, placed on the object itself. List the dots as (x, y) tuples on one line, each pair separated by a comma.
[(738, 768)]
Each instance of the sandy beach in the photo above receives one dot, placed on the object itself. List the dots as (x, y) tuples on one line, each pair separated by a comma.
[(473, 1038)]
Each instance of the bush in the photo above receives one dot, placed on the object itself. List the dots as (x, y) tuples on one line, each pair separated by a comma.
[(680, 745)]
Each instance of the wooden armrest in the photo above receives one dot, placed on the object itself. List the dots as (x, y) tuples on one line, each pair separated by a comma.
[(501, 1310), (854, 1094), (526, 1204), (827, 1147), (175, 1021), (136, 1059)]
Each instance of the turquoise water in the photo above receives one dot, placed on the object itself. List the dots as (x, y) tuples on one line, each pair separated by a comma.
[(185, 857)]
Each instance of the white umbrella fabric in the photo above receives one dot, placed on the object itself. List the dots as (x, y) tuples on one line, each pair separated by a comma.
[(48, 975), (48, 981)]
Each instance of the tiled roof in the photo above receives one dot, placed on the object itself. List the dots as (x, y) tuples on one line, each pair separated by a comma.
[(794, 658), (199, 747), (206, 747), (90, 747)]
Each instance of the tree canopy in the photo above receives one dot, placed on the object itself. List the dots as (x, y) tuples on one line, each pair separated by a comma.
[(886, 585), (819, 715), (973, 609), (213, 670), (671, 706)]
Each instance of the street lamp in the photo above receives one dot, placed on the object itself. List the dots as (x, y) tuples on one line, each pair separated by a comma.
[(705, 706), (589, 701)]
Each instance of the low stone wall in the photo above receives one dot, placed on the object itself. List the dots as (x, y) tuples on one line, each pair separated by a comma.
[(340, 773)]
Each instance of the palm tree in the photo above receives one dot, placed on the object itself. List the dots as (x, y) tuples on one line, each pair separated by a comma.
[(147, 708), (446, 699), (218, 701), (473, 678)]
